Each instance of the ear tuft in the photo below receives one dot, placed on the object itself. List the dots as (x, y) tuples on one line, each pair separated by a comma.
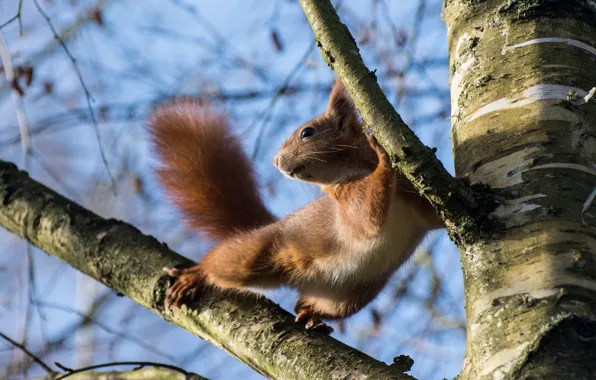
[(341, 106)]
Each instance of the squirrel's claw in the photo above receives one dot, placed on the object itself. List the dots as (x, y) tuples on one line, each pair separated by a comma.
[(186, 286), (318, 325), (302, 317), (313, 323)]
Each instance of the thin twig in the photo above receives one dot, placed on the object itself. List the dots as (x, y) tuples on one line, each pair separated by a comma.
[(140, 364), (107, 329), (35, 358), (9, 21), (20, 18), (17, 16), (88, 95), (65, 334), (221, 41), (267, 112), (409, 59)]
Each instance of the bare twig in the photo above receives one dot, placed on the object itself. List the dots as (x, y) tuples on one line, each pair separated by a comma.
[(17, 16), (280, 91), (88, 96), (136, 111), (20, 18), (108, 329), (138, 364), (261, 72), (62, 337), (25, 350), (413, 42), (9, 21)]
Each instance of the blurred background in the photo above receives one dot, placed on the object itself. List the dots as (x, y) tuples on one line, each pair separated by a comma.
[(77, 80)]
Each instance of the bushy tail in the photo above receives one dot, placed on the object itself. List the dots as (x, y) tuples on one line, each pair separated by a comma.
[(205, 171)]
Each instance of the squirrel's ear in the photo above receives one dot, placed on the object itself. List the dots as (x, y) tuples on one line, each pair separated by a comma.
[(341, 106)]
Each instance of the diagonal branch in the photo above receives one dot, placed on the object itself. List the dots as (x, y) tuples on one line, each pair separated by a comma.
[(255, 331), (26, 351), (457, 204)]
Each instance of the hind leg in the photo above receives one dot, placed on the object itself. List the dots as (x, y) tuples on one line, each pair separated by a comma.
[(312, 310), (306, 315)]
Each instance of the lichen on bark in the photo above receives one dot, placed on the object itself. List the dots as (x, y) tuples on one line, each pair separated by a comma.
[(252, 329), (462, 209), (517, 78)]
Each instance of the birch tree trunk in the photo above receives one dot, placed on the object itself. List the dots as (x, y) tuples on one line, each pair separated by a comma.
[(520, 72)]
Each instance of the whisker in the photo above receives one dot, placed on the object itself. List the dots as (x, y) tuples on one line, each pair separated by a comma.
[(306, 157), (320, 152), (348, 146), (309, 156)]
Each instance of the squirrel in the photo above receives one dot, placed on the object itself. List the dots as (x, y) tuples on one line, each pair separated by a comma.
[(338, 251)]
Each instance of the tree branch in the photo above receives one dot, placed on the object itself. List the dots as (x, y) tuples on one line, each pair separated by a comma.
[(457, 204), (255, 331), (26, 351), (159, 371), (135, 374)]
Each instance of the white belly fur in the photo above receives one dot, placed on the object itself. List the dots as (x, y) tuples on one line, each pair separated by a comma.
[(362, 262)]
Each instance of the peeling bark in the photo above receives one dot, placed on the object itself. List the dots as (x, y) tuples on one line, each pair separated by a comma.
[(519, 73), (255, 331)]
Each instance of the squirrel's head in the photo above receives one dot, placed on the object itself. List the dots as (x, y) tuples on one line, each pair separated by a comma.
[(329, 149)]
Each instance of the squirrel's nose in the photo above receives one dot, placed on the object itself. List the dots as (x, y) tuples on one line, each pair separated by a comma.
[(276, 161)]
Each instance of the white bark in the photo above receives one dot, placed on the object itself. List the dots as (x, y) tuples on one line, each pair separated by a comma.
[(524, 124)]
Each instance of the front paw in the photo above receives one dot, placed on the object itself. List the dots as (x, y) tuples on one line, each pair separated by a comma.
[(186, 286), (381, 153)]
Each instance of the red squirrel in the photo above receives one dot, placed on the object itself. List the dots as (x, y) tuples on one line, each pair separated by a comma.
[(338, 251)]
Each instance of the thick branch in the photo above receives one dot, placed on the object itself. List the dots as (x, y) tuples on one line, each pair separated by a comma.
[(257, 332), (455, 202)]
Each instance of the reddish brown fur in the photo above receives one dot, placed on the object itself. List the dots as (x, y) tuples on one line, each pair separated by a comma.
[(203, 166), (338, 251)]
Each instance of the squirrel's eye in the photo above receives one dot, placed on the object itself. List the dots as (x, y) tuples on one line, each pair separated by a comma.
[(307, 132)]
